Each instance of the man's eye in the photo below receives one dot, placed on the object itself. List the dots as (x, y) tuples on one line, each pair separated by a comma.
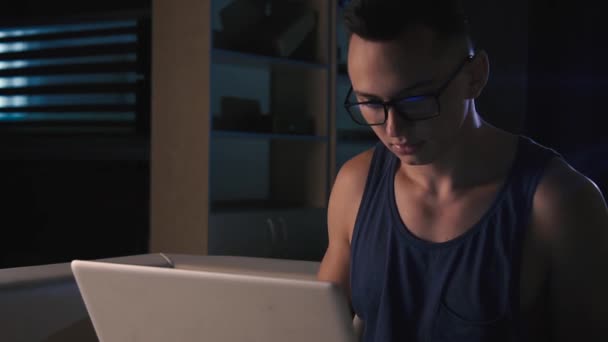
[(373, 105), (414, 99)]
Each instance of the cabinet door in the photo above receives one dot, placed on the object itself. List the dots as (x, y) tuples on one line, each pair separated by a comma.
[(245, 233), (298, 234), (302, 234)]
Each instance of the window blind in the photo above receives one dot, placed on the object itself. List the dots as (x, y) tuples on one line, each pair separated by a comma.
[(75, 74)]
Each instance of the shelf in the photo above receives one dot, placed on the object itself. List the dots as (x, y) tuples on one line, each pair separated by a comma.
[(269, 136), (253, 205), (230, 57), (357, 136)]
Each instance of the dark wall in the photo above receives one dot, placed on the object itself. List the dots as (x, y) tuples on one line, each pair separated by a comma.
[(25, 9), (67, 196), (500, 28), (548, 75), (568, 82), (59, 210)]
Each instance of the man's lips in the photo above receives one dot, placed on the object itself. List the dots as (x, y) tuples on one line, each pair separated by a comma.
[(406, 148)]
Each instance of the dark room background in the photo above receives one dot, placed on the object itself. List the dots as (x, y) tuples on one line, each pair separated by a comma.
[(75, 184), (79, 187)]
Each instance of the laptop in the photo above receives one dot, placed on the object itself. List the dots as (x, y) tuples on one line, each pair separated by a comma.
[(147, 303)]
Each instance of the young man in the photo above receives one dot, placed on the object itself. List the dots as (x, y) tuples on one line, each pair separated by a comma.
[(451, 229)]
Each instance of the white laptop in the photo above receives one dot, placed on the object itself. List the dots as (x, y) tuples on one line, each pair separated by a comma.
[(146, 303)]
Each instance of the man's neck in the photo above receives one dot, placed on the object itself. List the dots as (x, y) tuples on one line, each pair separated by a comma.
[(462, 165)]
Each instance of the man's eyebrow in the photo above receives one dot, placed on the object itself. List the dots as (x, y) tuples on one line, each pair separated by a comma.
[(420, 84)]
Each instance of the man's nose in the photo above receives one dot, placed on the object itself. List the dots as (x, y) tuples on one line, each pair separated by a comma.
[(394, 122)]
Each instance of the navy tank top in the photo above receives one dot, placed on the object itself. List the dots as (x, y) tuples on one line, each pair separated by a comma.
[(464, 289)]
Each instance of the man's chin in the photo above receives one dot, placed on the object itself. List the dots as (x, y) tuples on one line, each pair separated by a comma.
[(415, 160), (423, 156)]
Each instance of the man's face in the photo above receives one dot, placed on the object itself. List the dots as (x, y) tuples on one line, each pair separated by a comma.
[(414, 65)]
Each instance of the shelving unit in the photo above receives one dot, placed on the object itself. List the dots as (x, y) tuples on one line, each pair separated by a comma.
[(288, 100), (269, 174), (219, 134), (231, 57), (278, 165)]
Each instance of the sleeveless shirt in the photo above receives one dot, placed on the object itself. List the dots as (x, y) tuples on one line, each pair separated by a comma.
[(465, 289)]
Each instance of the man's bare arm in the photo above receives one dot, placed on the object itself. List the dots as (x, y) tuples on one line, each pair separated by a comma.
[(571, 214), (341, 215)]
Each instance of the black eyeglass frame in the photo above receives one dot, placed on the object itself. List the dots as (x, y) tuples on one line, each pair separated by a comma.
[(386, 104)]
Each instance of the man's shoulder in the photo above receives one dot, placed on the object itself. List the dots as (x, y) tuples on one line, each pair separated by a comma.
[(563, 184), (356, 168), (563, 197), (347, 192), (570, 218)]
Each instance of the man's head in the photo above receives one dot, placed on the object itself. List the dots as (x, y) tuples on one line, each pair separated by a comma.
[(410, 49), (384, 20)]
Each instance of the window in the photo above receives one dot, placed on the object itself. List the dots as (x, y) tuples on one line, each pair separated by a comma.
[(75, 76)]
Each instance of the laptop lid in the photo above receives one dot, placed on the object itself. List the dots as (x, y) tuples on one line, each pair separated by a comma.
[(144, 303)]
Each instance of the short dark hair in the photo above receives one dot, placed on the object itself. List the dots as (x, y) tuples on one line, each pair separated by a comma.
[(383, 20)]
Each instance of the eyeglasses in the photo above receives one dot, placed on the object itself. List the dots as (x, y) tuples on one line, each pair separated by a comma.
[(411, 108)]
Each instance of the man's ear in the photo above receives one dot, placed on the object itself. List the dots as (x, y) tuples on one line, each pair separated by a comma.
[(479, 71)]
